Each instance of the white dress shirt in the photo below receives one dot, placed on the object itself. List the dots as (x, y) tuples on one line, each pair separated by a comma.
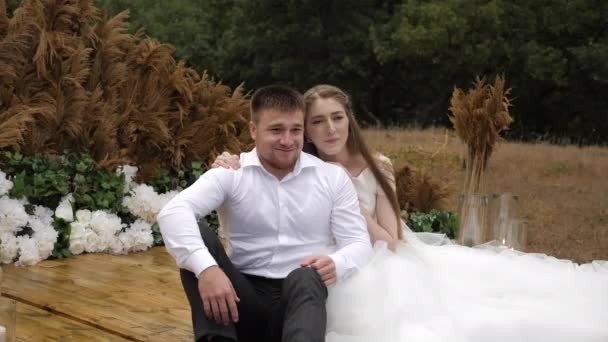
[(271, 225)]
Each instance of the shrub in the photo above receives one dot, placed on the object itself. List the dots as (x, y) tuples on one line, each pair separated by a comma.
[(435, 221)]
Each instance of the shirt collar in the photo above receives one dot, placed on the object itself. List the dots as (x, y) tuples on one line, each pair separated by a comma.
[(305, 160)]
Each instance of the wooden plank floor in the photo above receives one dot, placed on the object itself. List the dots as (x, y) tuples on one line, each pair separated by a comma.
[(35, 324), (100, 297)]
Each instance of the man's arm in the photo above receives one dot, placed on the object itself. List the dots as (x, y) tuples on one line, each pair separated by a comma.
[(350, 230), (183, 240), (178, 219)]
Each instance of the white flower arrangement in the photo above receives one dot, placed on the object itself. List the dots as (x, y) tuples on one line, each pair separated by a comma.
[(5, 184), (12, 215), (44, 236), (90, 231), (28, 250), (137, 238), (8, 248), (145, 203)]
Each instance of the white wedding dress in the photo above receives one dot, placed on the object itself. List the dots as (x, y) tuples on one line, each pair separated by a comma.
[(427, 292)]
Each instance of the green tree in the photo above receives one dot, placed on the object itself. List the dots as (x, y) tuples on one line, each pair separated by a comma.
[(400, 59), (551, 53)]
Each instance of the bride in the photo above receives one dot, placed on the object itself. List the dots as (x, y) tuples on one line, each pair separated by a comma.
[(416, 291)]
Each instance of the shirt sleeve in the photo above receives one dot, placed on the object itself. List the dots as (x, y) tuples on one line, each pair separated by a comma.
[(349, 229), (178, 219)]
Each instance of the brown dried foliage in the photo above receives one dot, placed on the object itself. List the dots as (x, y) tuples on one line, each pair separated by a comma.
[(3, 19), (417, 191), (72, 79), (479, 116)]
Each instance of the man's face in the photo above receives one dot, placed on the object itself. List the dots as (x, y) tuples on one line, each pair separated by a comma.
[(278, 138)]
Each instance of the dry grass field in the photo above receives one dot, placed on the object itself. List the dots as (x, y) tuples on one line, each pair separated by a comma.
[(562, 190)]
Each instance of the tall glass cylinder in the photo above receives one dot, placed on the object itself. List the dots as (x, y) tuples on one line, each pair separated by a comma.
[(472, 220), (516, 235), (502, 209)]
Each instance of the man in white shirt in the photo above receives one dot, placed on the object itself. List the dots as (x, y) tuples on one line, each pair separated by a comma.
[(293, 228)]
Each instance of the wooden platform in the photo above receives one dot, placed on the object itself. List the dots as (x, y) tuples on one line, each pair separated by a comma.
[(100, 297)]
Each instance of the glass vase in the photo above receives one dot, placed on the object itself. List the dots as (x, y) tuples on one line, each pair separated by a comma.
[(472, 220)]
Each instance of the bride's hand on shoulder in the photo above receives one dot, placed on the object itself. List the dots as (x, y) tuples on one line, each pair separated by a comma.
[(227, 161)]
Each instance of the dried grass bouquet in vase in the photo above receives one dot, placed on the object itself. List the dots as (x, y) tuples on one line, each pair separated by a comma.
[(479, 115)]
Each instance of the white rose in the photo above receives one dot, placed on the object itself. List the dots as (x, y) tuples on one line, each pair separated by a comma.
[(106, 240), (77, 247), (117, 246), (141, 226), (12, 215), (78, 231), (145, 203), (64, 209), (77, 238), (28, 251), (44, 214), (91, 242), (8, 248), (142, 241), (83, 216), (102, 221), (45, 240)]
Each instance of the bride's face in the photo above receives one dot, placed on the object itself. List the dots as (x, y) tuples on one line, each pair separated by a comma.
[(327, 126)]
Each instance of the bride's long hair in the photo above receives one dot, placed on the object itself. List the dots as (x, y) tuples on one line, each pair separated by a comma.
[(356, 144)]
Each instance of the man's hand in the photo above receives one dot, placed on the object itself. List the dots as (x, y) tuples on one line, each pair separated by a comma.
[(324, 265), (218, 295), (227, 161)]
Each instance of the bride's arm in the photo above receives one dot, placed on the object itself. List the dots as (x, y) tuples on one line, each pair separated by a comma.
[(386, 216), (386, 224)]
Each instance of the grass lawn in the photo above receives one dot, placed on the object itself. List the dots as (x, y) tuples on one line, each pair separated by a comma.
[(562, 190)]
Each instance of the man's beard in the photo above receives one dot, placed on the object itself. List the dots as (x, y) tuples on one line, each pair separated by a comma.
[(281, 163)]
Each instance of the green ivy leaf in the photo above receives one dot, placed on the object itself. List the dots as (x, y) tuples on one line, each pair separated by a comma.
[(61, 249), (435, 221)]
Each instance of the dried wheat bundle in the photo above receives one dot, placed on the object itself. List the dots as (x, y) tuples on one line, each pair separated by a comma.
[(479, 116), (73, 79)]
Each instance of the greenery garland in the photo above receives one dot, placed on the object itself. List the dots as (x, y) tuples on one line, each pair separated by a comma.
[(74, 181)]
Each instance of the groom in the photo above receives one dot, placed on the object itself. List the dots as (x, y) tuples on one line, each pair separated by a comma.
[(282, 210)]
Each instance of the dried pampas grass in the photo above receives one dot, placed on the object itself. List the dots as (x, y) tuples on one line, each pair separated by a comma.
[(479, 115), (73, 79)]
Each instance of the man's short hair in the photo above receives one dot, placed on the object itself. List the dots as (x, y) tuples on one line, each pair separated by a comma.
[(277, 97)]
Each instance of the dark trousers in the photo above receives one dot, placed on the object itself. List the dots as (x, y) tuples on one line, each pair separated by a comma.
[(289, 310)]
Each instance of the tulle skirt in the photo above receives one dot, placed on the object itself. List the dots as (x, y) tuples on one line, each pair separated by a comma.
[(426, 292)]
